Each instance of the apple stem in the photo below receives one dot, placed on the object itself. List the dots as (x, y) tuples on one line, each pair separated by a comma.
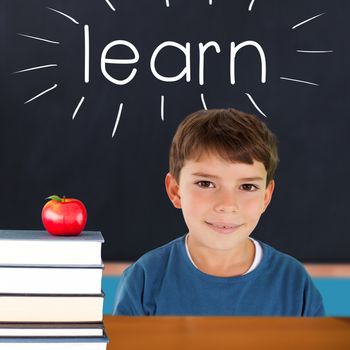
[(55, 197)]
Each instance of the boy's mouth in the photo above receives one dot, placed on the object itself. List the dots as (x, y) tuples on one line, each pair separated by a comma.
[(223, 227)]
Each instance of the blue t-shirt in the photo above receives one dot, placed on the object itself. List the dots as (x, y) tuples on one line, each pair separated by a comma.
[(165, 282)]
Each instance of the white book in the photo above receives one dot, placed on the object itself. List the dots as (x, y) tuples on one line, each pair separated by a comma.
[(27, 247), (50, 279), (51, 329), (54, 343), (51, 308)]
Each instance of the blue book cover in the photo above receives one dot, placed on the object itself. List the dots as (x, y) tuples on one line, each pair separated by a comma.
[(42, 235), (38, 247), (102, 339)]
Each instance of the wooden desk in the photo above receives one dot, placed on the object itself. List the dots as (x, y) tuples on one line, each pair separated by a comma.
[(220, 333)]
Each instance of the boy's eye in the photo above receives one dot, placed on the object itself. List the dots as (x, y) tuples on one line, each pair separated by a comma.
[(249, 187), (205, 184)]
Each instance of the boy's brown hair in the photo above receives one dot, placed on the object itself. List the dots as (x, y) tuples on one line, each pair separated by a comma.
[(231, 134)]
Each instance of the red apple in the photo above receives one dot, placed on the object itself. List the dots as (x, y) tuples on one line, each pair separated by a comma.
[(64, 216)]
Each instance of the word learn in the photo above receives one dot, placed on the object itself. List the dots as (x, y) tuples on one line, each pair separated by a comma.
[(184, 49)]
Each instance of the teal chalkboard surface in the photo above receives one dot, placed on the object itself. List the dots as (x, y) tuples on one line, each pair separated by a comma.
[(92, 92)]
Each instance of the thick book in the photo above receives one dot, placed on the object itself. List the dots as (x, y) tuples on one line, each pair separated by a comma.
[(45, 279), (28, 247), (51, 308), (54, 343), (51, 329)]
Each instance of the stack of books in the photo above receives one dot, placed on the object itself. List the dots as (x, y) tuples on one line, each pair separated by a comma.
[(50, 291)]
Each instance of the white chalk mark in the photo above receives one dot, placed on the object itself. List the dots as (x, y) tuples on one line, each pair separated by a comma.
[(117, 120), (235, 49), (308, 20), (78, 106), (38, 67), (110, 5), (41, 93), (162, 107), (86, 53), (37, 38), (64, 14), (315, 51), (255, 105), (203, 102), (210, 2), (251, 5), (299, 81), (167, 3)]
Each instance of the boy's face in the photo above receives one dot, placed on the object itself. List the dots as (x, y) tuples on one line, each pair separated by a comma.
[(221, 201)]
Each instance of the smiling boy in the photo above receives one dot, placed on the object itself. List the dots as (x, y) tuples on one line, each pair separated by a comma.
[(221, 170)]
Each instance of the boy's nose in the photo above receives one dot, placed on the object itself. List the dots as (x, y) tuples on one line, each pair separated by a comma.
[(227, 202)]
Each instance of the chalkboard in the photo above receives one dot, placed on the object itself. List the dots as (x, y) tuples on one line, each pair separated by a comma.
[(92, 92)]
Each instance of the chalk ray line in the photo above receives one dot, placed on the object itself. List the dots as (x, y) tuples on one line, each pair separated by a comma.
[(86, 54), (64, 14), (34, 68), (251, 5), (110, 5), (37, 38), (210, 2), (162, 107), (315, 51), (203, 102), (167, 3), (255, 105), (78, 106), (299, 81), (308, 20), (41, 93), (118, 118)]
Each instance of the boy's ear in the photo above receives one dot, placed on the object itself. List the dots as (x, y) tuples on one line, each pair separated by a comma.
[(172, 189), (268, 194)]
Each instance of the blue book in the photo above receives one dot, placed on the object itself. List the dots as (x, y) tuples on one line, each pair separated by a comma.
[(29, 247), (17, 329), (54, 343)]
